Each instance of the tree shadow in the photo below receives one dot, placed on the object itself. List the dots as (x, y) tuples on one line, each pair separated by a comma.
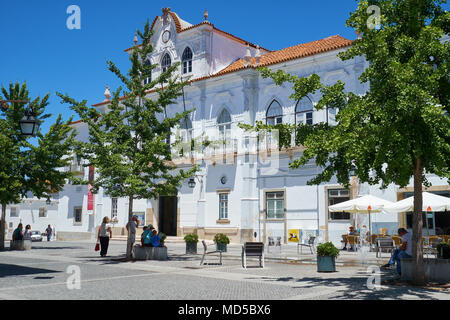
[(357, 287), (8, 270), (55, 248)]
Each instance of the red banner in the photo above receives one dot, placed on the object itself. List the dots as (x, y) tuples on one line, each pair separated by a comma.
[(90, 204)]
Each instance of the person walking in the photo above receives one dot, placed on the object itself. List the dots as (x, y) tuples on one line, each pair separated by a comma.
[(104, 234), (49, 232)]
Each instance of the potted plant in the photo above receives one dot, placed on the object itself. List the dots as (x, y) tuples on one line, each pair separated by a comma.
[(191, 240), (326, 257), (163, 237), (221, 241), (443, 250)]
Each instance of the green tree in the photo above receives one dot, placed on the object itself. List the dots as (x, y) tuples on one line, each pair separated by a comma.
[(128, 145), (26, 167), (400, 127)]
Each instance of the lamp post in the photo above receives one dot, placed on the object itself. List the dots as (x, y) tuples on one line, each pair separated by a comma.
[(29, 124)]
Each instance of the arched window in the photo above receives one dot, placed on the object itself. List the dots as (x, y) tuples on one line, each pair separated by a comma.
[(166, 62), (304, 111), (148, 73), (274, 113), (186, 129), (187, 60), (224, 123)]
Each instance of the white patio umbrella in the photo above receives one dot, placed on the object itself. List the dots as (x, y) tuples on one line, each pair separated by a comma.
[(431, 203), (365, 205)]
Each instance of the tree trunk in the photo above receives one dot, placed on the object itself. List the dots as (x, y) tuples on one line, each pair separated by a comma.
[(2, 227), (418, 271), (130, 216)]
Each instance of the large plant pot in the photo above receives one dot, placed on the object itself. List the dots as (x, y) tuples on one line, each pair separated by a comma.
[(191, 247), (326, 264), (221, 247)]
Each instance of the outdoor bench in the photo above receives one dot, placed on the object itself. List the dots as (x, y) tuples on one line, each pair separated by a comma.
[(150, 253), (253, 249)]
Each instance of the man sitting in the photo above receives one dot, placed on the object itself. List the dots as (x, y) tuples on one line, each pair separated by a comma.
[(156, 238), (18, 233), (403, 251)]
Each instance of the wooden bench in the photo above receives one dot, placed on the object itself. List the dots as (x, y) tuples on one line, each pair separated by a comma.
[(253, 249), (20, 245), (205, 252), (149, 253)]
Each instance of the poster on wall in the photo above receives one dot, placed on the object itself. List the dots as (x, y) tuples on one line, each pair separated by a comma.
[(90, 204), (141, 218), (294, 235)]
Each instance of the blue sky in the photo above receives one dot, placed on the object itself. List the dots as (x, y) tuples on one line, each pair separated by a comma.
[(37, 47)]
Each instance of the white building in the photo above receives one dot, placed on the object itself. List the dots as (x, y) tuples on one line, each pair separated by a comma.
[(247, 197)]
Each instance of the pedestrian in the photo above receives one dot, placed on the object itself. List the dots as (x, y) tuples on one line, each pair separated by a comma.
[(18, 233), (403, 251), (49, 232), (131, 227), (104, 234), (27, 233)]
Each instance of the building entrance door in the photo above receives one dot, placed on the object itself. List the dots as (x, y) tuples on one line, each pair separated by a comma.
[(168, 215)]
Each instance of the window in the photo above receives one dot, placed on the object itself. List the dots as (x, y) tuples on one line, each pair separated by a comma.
[(336, 196), (275, 205), (187, 60), (77, 213), (223, 206), (304, 111), (274, 114), (148, 73), (14, 211), (224, 124), (113, 208), (42, 212), (166, 62)]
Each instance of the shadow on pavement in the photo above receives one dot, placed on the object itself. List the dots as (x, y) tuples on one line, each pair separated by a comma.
[(55, 248), (8, 270), (356, 288)]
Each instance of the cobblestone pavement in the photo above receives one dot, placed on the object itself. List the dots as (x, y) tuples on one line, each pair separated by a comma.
[(45, 273)]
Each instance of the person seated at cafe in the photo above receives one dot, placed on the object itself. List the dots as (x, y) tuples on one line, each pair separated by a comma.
[(403, 251), (18, 233), (351, 232), (142, 235)]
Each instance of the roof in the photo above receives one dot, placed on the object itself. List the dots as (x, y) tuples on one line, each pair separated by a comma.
[(182, 26), (291, 53)]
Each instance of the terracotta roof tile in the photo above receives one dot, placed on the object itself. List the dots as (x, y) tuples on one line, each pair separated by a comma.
[(291, 53)]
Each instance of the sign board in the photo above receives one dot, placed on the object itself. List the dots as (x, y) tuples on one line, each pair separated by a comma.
[(141, 218), (294, 235)]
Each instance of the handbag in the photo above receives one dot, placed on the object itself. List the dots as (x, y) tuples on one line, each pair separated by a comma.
[(97, 246)]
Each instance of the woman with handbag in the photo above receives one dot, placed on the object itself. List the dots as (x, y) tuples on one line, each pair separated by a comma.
[(104, 234)]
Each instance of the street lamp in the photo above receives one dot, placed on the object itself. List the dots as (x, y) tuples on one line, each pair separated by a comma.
[(29, 124), (191, 183)]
